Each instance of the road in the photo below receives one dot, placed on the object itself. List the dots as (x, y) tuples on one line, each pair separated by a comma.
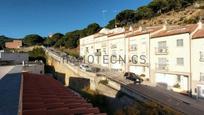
[(184, 104)]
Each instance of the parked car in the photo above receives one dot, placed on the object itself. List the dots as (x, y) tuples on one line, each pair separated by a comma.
[(133, 77), (85, 67)]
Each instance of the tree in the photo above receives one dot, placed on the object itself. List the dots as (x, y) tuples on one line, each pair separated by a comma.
[(111, 24), (4, 39), (51, 41), (144, 12), (32, 39), (92, 28), (158, 5), (126, 17)]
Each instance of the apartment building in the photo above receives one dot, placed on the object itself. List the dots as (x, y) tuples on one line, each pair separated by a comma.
[(197, 63), (101, 48), (117, 49), (138, 50), (14, 44), (87, 48), (170, 57)]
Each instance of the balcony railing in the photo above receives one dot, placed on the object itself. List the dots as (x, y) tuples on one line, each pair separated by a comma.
[(201, 57), (97, 53), (161, 51), (162, 67)]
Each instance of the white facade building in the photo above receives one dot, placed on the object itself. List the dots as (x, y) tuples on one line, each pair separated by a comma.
[(170, 57), (138, 50), (197, 63)]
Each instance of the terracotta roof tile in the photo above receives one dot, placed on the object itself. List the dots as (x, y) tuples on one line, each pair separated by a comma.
[(199, 34), (173, 30), (43, 95), (144, 31)]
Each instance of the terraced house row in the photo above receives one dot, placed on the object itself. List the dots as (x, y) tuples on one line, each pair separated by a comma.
[(171, 55)]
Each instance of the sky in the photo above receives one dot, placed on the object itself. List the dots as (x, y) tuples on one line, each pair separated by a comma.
[(44, 17)]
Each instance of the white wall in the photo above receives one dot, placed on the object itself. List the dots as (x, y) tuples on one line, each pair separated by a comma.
[(142, 43), (174, 52), (197, 66)]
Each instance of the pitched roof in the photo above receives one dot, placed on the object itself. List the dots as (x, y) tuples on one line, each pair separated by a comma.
[(173, 30), (144, 31), (9, 93), (199, 34), (44, 95)]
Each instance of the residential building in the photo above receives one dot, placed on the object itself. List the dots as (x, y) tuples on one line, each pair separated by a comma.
[(14, 44), (87, 48), (170, 57), (138, 50), (117, 49), (101, 47), (197, 62)]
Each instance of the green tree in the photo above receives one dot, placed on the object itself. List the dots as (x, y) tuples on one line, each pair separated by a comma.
[(4, 39), (158, 5), (32, 39), (111, 24), (51, 41), (126, 17), (144, 12), (92, 28)]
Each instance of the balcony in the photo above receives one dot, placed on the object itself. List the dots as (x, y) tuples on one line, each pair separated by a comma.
[(97, 53), (161, 51), (162, 67), (201, 57)]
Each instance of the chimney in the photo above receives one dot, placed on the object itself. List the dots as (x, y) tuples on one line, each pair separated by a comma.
[(165, 25), (140, 28), (130, 28), (200, 23)]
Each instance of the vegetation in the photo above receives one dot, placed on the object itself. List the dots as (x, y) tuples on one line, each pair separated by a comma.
[(37, 54), (148, 108), (154, 8), (52, 40), (105, 82), (32, 39), (4, 39), (70, 40)]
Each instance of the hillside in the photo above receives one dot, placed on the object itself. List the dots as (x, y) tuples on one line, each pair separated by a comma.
[(185, 16)]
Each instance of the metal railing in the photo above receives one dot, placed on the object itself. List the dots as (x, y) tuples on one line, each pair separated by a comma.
[(161, 51), (162, 67)]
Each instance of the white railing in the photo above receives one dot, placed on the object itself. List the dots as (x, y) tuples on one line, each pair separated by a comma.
[(161, 51)]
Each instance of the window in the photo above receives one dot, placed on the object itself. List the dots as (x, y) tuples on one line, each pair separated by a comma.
[(133, 47), (87, 49), (162, 44), (180, 61), (201, 56), (201, 76), (162, 61), (180, 42)]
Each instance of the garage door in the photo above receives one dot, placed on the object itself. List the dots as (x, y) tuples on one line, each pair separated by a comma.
[(168, 79), (136, 69)]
